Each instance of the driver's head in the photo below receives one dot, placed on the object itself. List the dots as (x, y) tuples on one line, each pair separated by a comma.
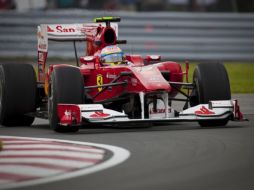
[(111, 55)]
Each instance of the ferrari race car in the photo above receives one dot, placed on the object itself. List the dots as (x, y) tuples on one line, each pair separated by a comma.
[(108, 87)]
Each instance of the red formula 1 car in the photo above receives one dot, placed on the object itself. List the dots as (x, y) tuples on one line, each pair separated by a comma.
[(110, 87)]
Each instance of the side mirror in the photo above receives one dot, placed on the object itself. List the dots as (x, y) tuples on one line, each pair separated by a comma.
[(87, 59)]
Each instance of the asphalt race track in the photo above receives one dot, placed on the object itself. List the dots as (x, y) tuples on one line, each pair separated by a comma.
[(173, 156)]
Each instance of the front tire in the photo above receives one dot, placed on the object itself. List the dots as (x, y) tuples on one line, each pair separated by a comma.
[(17, 94), (211, 83), (66, 86)]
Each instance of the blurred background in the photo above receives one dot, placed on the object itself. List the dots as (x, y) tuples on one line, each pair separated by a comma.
[(133, 5), (179, 30)]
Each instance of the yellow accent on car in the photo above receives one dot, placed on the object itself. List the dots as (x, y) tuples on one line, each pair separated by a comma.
[(107, 19), (46, 87), (99, 80)]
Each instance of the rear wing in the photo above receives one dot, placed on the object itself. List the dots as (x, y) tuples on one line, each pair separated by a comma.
[(66, 32), (63, 32)]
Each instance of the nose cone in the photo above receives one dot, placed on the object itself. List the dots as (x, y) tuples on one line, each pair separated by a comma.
[(151, 78)]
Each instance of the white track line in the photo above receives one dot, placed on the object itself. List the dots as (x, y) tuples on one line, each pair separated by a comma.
[(119, 156)]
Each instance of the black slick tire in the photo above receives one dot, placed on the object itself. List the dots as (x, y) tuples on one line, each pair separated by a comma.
[(211, 83), (66, 86), (17, 94)]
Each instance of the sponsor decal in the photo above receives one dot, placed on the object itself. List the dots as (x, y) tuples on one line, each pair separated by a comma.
[(99, 80), (111, 76), (154, 79), (42, 46), (157, 111), (204, 111), (50, 29), (99, 114), (61, 29), (41, 56), (42, 42)]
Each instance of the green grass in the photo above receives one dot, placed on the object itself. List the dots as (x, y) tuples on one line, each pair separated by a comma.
[(241, 76)]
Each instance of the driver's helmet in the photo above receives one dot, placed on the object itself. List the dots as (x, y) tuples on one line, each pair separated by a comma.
[(111, 55)]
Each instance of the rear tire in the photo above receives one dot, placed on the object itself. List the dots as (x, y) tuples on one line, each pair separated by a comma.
[(66, 86), (17, 94), (212, 83)]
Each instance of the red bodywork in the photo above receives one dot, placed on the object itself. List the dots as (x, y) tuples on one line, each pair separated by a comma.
[(143, 79), (143, 74)]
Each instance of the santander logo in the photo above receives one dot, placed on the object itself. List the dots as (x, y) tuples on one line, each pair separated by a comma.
[(50, 29), (60, 29)]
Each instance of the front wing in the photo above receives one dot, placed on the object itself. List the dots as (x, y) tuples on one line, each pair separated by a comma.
[(71, 114)]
